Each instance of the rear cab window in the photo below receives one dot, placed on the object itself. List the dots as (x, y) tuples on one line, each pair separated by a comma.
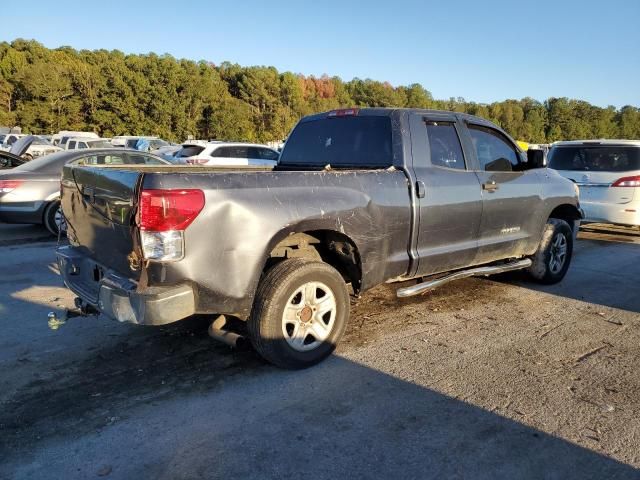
[(594, 158), (347, 141)]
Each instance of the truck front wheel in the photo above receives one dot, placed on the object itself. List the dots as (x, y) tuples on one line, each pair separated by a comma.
[(551, 260), (299, 314)]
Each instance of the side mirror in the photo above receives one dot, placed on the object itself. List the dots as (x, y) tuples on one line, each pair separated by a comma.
[(535, 159)]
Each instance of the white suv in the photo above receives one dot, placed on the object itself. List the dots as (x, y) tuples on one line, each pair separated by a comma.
[(608, 175), (226, 153)]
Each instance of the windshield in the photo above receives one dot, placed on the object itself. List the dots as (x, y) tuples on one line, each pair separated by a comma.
[(40, 141), (340, 141), (595, 158), (99, 144)]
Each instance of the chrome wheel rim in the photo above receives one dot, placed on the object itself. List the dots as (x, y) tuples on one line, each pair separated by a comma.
[(59, 220), (309, 316), (558, 255)]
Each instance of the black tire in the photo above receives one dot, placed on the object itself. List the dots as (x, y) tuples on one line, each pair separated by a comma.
[(276, 290), (49, 219), (545, 268)]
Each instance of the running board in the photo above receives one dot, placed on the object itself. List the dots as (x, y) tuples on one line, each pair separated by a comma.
[(473, 272)]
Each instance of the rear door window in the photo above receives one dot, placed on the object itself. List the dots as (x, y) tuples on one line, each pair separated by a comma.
[(444, 143), (586, 158), (236, 151), (262, 154), (348, 141), (110, 159), (495, 153)]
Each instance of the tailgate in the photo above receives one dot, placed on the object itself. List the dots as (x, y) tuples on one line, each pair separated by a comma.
[(99, 206), (596, 187)]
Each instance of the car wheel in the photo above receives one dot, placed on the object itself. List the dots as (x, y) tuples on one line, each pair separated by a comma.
[(551, 260), (54, 219), (299, 313)]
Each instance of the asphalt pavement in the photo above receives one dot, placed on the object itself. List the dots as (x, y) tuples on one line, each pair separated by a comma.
[(483, 378)]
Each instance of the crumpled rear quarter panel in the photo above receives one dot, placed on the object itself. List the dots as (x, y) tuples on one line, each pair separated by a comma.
[(247, 214)]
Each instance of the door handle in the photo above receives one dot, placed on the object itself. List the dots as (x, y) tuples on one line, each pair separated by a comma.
[(421, 190), (490, 186)]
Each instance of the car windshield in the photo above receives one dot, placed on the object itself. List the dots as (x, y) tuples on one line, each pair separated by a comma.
[(340, 141), (99, 144), (595, 158), (40, 141)]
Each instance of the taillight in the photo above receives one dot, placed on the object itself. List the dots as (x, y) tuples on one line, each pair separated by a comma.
[(627, 182), (7, 186), (344, 112), (163, 215), (164, 210)]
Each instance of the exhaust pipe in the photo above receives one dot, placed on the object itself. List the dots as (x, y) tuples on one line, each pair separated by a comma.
[(473, 272), (218, 332)]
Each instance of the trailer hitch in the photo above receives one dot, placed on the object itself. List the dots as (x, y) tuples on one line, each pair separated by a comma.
[(56, 319)]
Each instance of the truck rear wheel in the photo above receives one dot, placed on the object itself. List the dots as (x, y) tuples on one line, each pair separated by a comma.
[(551, 261), (299, 314)]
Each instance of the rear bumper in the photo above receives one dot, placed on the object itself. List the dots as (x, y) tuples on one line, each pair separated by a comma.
[(118, 297), (21, 212), (616, 213)]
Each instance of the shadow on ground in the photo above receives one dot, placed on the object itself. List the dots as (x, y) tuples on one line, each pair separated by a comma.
[(338, 420)]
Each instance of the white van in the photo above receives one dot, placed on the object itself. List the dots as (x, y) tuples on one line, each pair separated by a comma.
[(76, 143), (60, 139)]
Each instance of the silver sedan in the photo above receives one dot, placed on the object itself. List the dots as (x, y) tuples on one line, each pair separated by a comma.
[(30, 192)]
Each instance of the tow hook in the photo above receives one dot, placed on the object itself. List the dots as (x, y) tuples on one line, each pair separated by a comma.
[(220, 330), (56, 320)]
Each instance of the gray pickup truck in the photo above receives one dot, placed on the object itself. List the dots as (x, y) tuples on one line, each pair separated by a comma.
[(359, 197)]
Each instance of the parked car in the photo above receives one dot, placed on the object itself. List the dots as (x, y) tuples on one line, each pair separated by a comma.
[(226, 153), (608, 175), (9, 139), (135, 141), (29, 193), (9, 160), (358, 198), (76, 143), (60, 139), (32, 146)]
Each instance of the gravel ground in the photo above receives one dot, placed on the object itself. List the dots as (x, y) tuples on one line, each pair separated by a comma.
[(483, 378)]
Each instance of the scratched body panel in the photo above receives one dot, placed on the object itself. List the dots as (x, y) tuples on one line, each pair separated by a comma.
[(247, 214)]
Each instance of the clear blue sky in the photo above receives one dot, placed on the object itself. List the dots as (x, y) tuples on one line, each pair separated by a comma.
[(480, 50)]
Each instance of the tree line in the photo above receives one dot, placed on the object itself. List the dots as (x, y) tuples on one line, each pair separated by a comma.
[(46, 90)]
